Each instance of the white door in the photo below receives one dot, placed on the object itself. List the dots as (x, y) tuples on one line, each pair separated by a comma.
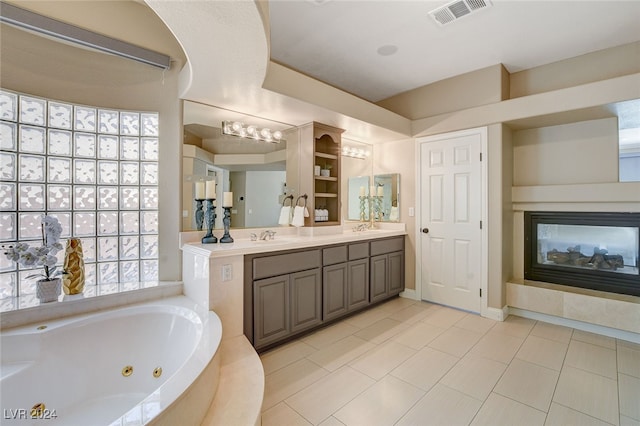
[(451, 213)]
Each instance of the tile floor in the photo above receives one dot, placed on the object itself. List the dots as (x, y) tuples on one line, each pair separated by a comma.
[(414, 363)]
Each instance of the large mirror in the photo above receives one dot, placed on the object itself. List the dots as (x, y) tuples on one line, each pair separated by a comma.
[(388, 191), (254, 171)]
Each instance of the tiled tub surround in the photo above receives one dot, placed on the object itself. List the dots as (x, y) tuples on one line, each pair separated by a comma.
[(27, 309), (89, 351)]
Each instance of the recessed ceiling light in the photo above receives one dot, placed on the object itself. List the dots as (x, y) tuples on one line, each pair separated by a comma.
[(387, 50)]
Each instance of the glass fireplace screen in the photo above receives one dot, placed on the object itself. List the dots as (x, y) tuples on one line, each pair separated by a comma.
[(602, 248)]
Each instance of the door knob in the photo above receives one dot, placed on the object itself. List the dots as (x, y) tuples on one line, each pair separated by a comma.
[(425, 230)]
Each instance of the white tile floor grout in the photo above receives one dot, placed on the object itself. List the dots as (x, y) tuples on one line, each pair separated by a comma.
[(406, 362)]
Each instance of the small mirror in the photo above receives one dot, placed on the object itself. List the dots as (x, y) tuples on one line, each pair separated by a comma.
[(388, 204), (358, 208)]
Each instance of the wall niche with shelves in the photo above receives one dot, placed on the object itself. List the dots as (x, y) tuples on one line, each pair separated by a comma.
[(324, 187)]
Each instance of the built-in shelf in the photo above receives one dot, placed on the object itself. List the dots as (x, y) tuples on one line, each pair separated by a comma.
[(327, 143), (325, 155)]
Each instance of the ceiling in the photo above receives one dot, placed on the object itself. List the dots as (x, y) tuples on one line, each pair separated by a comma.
[(337, 41)]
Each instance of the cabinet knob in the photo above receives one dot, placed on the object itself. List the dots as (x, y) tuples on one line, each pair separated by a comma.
[(425, 230)]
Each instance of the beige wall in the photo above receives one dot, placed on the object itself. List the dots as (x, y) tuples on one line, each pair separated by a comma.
[(480, 87), (596, 66), (400, 157), (584, 152), (42, 67)]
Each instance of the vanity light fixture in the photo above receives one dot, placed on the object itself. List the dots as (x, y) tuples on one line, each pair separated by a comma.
[(236, 128), (349, 151)]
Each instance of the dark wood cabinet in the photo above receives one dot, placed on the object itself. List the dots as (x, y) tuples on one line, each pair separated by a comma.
[(293, 291), (358, 288), (387, 268), (306, 299), (379, 281), (335, 287), (271, 305)]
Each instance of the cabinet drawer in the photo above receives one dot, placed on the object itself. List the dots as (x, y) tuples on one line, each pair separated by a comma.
[(281, 264), (387, 246), (358, 251), (333, 255)]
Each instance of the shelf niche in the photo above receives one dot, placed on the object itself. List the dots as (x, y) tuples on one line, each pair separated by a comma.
[(324, 191)]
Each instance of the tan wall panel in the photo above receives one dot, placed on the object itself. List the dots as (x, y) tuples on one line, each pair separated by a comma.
[(481, 87), (584, 152), (600, 65)]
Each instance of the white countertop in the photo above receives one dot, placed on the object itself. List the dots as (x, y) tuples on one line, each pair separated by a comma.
[(286, 238)]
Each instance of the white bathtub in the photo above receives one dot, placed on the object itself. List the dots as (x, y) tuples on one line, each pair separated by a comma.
[(75, 366)]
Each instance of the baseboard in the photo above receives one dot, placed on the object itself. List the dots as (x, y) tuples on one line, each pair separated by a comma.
[(579, 325), (409, 293), (497, 314)]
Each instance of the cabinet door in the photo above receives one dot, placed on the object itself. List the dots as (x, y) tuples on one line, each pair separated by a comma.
[(357, 284), (306, 299), (271, 310), (396, 273), (379, 280), (334, 300)]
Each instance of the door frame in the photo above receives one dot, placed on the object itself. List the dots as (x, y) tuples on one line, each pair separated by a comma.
[(484, 200)]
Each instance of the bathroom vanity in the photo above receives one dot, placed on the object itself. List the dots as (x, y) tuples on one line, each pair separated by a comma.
[(293, 291), (271, 291)]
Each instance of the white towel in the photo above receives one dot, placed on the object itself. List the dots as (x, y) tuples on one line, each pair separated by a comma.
[(285, 216), (393, 216), (298, 216)]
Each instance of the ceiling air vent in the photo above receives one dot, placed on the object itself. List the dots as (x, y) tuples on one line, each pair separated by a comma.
[(457, 9)]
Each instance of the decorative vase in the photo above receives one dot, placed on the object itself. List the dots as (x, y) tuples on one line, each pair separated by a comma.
[(73, 267), (48, 290)]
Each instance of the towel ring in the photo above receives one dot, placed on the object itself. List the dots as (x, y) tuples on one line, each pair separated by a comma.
[(305, 200), (288, 197)]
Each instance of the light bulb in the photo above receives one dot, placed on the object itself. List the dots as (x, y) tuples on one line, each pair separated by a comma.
[(277, 135), (251, 130), (236, 126)]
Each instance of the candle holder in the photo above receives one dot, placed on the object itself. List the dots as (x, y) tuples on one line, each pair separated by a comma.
[(363, 199), (210, 216), (226, 221), (377, 200), (199, 214)]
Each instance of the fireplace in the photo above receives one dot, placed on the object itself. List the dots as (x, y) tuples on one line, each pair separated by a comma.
[(598, 251)]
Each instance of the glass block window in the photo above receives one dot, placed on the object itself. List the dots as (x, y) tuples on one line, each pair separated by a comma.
[(94, 169)]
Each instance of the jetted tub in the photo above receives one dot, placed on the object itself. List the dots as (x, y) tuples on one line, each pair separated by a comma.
[(152, 363)]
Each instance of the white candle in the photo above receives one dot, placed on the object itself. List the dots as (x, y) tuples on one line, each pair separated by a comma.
[(210, 190), (227, 199), (372, 191), (380, 191), (362, 191), (199, 190)]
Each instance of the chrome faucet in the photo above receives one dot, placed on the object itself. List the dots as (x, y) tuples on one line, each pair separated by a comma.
[(267, 235), (361, 227)]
